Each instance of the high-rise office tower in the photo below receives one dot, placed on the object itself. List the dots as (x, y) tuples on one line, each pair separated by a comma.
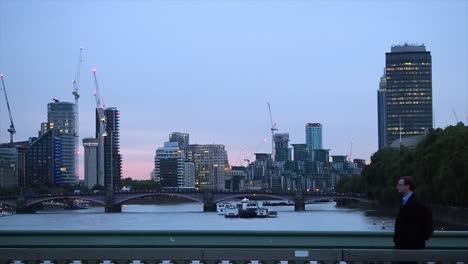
[(282, 151), (209, 163), (43, 165), (61, 116), (408, 86), (90, 162), (169, 165), (382, 111), (112, 157), (313, 137)]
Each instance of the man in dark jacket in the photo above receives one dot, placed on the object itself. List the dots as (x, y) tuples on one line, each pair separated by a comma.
[(413, 225)]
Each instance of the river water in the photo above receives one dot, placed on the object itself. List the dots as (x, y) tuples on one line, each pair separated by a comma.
[(190, 216)]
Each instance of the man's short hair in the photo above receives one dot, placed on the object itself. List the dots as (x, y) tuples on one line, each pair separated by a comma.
[(409, 181)]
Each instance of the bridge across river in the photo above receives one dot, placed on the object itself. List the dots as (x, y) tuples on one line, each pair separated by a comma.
[(113, 201)]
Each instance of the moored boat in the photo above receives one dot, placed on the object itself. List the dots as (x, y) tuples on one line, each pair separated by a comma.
[(221, 208), (272, 214), (231, 211), (262, 212)]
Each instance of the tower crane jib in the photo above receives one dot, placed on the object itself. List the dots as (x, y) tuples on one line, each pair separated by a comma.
[(12, 129)]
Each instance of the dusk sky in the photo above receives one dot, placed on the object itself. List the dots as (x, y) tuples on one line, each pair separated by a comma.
[(208, 68)]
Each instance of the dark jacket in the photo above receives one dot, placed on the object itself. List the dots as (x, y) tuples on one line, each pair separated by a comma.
[(413, 225)]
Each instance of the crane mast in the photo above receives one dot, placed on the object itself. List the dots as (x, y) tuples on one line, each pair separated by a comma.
[(12, 129), (76, 95), (273, 129), (102, 130)]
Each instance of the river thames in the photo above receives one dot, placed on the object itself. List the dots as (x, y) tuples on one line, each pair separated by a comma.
[(190, 216)]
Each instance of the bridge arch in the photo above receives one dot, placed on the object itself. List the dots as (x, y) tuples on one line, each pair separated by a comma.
[(10, 203), (120, 200), (67, 197), (315, 199)]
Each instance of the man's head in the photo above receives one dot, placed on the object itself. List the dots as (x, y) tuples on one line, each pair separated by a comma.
[(405, 185)]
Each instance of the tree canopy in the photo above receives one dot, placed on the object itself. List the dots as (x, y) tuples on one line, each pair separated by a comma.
[(438, 164)]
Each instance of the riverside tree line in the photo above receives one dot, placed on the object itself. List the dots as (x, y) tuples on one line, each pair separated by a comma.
[(438, 164)]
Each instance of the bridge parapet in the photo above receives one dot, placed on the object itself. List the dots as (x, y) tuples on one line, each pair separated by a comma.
[(215, 246)]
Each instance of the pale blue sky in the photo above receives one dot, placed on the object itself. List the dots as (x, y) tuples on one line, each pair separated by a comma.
[(208, 68)]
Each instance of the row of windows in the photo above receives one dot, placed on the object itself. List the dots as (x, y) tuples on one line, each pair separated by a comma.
[(402, 73), (404, 131), (406, 90), (407, 103), (406, 98), (389, 69), (400, 78), (410, 64), (407, 115)]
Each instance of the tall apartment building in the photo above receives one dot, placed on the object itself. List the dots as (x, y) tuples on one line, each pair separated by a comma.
[(61, 116), (408, 93), (313, 137), (382, 111), (282, 150), (112, 156), (209, 163), (90, 163)]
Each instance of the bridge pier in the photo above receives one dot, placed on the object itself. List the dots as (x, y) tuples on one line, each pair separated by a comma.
[(208, 203), (111, 206), (299, 203), (116, 208), (22, 208), (26, 210)]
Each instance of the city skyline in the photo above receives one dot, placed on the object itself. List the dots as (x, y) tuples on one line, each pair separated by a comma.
[(199, 69)]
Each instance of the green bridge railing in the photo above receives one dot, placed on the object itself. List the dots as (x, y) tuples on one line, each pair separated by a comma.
[(221, 246)]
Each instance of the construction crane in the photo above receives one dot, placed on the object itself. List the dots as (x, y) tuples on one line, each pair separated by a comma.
[(76, 85), (455, 115), (102, 130), (350, 157), (12, 129), (273, 129)]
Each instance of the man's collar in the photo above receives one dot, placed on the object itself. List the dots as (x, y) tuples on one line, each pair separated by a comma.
[(406, 197)]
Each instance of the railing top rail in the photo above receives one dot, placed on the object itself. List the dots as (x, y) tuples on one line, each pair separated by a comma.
[(219, 239)]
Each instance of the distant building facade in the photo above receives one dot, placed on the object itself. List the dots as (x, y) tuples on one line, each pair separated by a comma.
[(43, 165), (382, 112), (169, 165), (189, 174), (408, 93), (112, 156), (282, 150), (90, 162), (301, 152), (61, 116), (209, 163), (8, 167), (313, 137), (183, 139)]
